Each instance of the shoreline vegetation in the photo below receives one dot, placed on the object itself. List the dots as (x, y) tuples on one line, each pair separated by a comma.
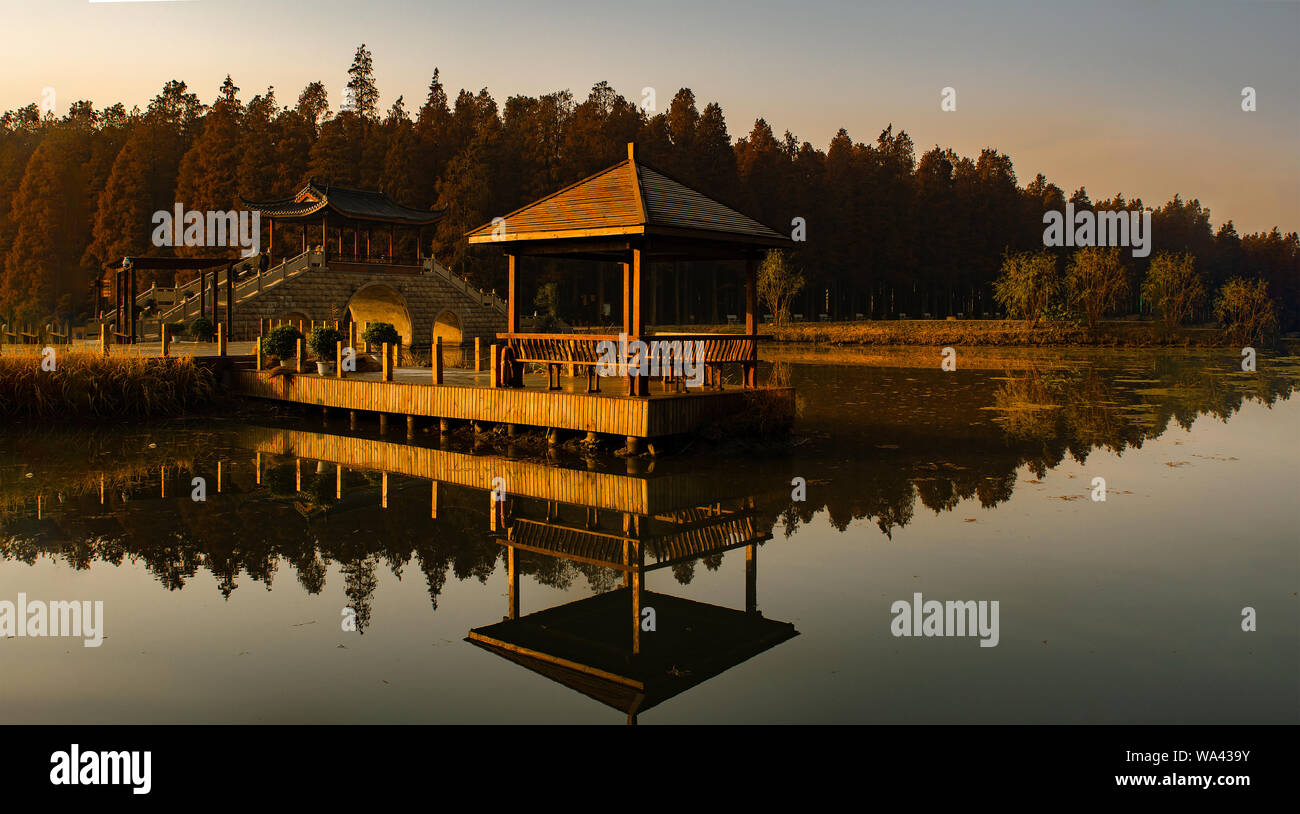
[(86, 385), (981, 332)]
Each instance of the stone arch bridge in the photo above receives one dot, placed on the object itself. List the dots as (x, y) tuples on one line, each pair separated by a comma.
[(421, 301)]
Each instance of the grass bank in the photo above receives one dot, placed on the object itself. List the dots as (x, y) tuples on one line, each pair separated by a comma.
[(997, 333), (993, 332), (86, 385)]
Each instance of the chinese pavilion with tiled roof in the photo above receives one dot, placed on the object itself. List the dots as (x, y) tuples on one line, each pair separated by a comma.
[(347, 210)]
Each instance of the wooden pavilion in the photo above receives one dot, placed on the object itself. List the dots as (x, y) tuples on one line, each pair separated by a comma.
[(356, 211), (633, 215)]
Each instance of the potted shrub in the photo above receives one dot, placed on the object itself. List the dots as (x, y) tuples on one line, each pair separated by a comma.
[(202, 329), (324, 342), (379, 332), (282, 342)]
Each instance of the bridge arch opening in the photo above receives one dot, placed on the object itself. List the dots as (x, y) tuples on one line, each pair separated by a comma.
[(294, 318), (448, 326), (377, 302)]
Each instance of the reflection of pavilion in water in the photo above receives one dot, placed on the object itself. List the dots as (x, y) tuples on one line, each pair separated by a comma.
[(631, 525), (631, 648)]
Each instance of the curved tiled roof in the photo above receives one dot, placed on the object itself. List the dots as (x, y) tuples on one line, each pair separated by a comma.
[(354, 204)]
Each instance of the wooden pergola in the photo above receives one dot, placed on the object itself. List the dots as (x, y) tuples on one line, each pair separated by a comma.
[(125, 290), (359, 211), (633, 215)]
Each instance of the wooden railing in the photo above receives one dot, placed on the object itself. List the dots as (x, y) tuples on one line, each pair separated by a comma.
[(586, 349), (667, 352)]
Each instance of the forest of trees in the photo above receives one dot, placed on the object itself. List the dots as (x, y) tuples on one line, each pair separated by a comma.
[(887, 232)]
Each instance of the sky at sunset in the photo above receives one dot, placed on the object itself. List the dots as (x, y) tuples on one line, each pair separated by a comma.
[(1142, 98)]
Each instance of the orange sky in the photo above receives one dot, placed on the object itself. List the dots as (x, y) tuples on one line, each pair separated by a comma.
[(1139, 98)]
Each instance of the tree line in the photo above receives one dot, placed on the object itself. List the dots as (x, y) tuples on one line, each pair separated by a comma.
[(887, 233)]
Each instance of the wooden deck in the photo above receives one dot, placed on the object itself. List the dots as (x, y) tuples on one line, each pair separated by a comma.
[(471, 399)]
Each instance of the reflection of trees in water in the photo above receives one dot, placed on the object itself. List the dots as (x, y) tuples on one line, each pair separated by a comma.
[(1041, 417), (359, 584), (1076, 410), (248, 532)]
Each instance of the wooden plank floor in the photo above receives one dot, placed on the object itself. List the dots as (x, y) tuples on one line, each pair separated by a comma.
[(411, 393)]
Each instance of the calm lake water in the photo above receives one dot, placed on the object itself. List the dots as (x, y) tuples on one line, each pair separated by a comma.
[(969, 485)]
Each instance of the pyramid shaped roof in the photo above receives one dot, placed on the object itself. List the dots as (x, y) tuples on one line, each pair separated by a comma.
[(629, 198)]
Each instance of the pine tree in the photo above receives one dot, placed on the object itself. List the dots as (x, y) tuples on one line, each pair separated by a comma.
[(363, 95)]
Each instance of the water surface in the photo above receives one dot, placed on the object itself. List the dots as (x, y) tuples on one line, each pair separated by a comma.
[(967, 485)]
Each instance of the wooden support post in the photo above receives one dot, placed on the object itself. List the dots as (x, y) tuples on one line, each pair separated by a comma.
[(444, 425), (636, 595), (338, 359), (297, 474), (383, 491), (751, 321), (257, 350), (103, 338), (221, 340), (383, 423), (257, 465), (386, 367), (751, 578), (352, 419), (164, 338), (410, 427), (478, 355), (437, 360), (338, 481), (230, 302), (638, 385), (130, 306), (433, 508), (512, 306), (492, 352), (627, 297), (512, 575), (300, 354)]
